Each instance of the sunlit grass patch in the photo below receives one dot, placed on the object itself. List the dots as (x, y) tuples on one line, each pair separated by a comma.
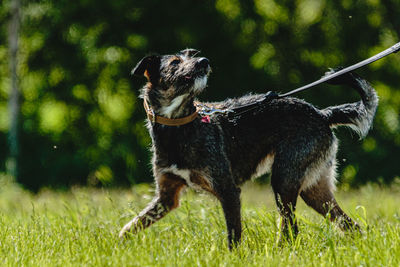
[(80, 227)]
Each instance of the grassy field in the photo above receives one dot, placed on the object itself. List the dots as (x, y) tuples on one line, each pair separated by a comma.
[(80, 227)]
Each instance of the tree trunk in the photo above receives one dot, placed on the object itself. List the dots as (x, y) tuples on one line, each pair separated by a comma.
[(13, 104)]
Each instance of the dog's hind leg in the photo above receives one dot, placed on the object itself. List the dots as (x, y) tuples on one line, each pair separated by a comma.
[(293, 161), (320, 197), (286, 198), (286, 187), (169, 187)]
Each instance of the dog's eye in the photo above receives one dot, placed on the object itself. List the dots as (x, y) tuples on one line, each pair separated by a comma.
[(175, 62)]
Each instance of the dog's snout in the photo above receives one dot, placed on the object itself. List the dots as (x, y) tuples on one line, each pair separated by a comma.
[(203, 62)]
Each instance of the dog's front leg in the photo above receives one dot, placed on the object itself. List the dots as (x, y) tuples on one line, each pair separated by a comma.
[(167, 198), (229, 195)]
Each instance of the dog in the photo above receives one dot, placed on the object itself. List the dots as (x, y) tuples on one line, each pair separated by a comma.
[(287, 137)]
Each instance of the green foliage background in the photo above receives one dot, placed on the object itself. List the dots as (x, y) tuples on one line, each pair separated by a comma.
[(82, 121)]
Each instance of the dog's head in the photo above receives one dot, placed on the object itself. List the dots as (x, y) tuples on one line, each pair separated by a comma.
[(173, 80)]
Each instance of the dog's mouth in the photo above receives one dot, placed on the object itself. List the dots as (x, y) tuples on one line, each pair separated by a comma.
[(188, 78), (203, 72)]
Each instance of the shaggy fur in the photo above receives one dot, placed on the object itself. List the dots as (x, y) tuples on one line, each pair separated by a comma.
[(288, 137)]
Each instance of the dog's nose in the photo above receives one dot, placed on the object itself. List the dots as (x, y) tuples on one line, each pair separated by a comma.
[(203, 62)]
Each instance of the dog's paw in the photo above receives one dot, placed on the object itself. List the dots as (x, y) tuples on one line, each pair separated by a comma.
[(123, 234)]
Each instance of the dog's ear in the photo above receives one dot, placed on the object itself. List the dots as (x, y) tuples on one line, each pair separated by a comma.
[(149, 67), (189, 52)]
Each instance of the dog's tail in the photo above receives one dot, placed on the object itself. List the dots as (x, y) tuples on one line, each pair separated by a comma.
[(358, 116)]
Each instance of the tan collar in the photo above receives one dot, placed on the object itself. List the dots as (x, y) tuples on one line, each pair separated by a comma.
[(166, 121)]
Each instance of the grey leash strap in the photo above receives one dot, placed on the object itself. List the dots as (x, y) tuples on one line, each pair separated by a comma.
[(393, 49), (236, 113)]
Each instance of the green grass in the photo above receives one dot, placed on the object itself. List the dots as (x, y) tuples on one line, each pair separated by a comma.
[(80, 227)]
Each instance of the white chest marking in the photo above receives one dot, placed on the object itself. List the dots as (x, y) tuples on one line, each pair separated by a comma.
[(175, 103)]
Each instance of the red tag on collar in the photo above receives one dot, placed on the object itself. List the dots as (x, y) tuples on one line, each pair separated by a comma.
[(205, 119)]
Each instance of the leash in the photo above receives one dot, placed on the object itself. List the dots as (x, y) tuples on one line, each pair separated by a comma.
[(393, 49), (236, 112)]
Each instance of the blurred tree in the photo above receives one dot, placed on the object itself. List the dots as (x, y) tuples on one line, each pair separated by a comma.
[(14, 106), (82, 121)]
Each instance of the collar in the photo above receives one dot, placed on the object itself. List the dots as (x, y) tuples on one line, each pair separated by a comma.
[(167, 121)]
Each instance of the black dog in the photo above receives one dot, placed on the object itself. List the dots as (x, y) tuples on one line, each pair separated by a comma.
[(287, 136)]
